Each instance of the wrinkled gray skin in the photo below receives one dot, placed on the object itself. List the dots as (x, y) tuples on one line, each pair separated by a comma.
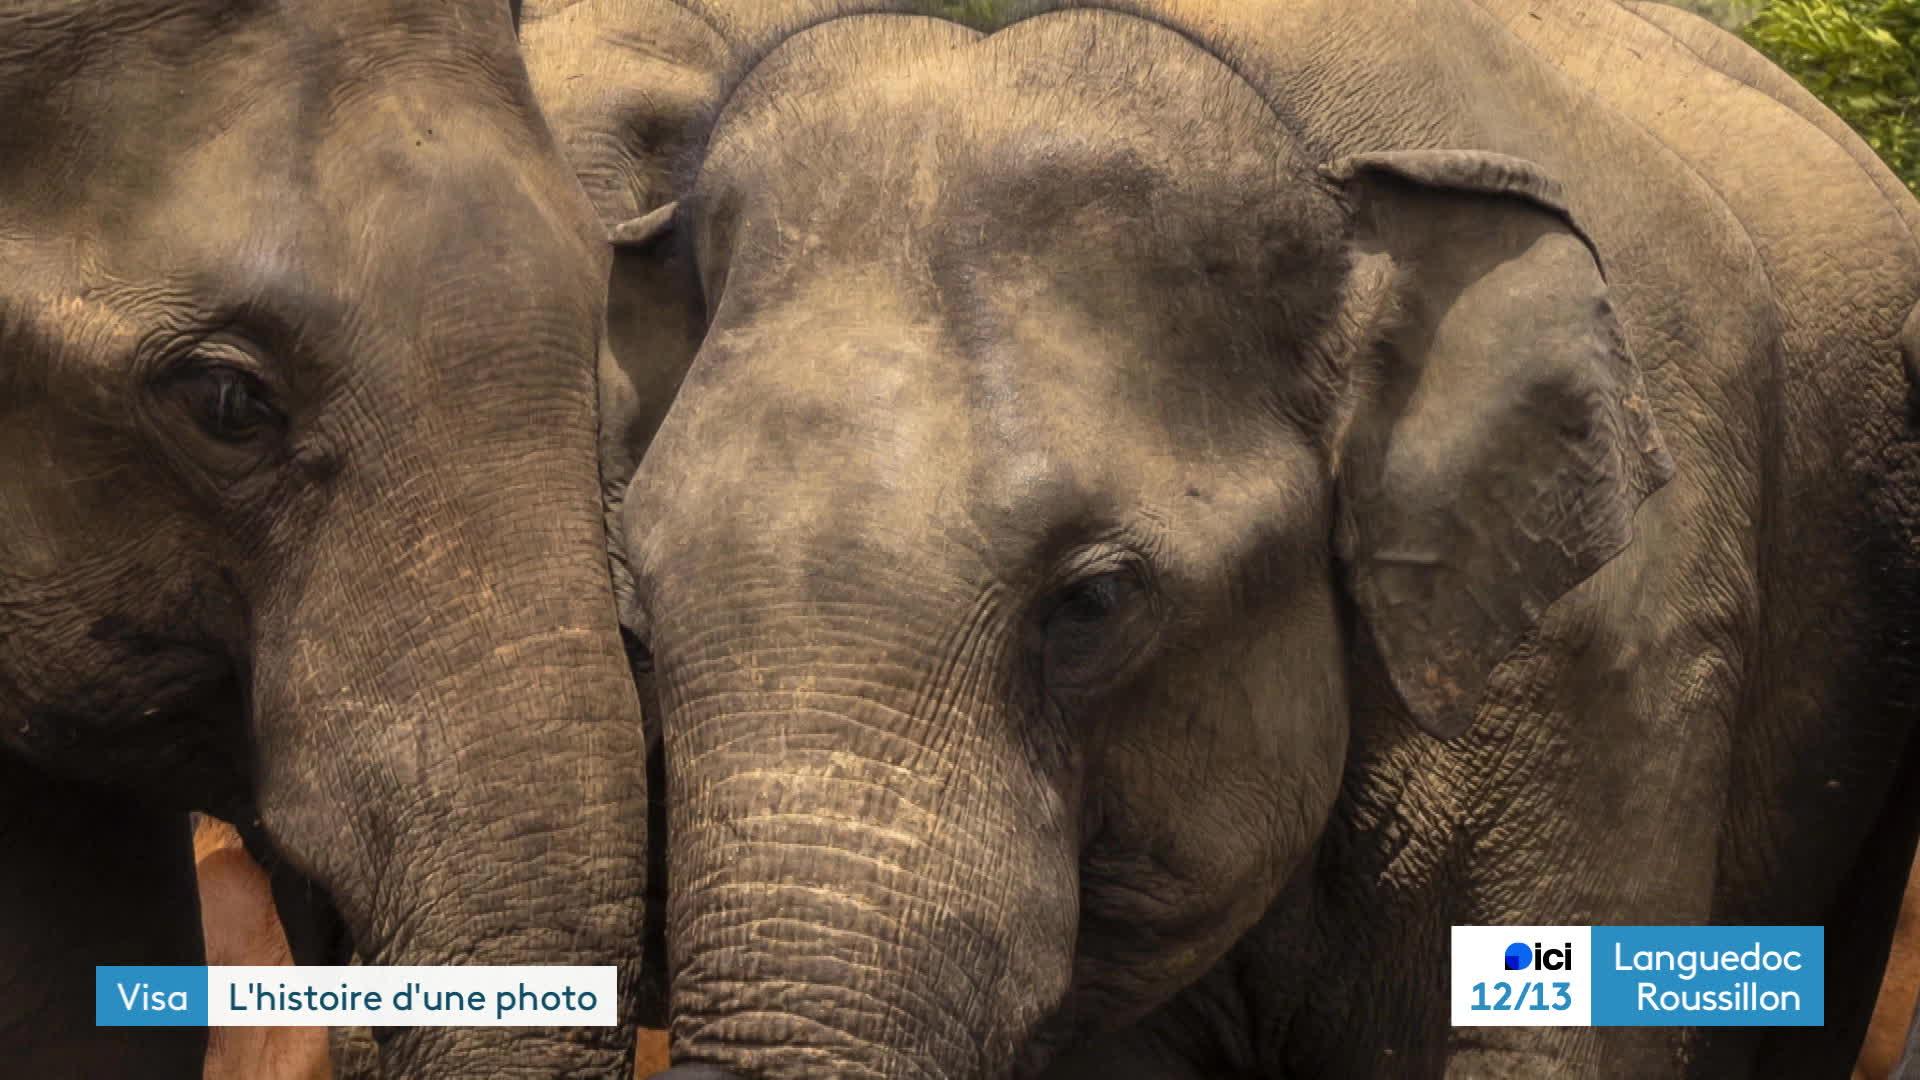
[(1120, 446), (300, 511)]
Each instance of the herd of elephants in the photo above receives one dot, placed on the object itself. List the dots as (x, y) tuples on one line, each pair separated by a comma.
[(1071, 543)]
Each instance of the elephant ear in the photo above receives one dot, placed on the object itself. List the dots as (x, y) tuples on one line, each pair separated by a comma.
[(1500, 439)]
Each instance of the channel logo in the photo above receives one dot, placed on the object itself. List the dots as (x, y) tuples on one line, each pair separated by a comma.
[(1520, 957), (1637, 976), (1521, 976)]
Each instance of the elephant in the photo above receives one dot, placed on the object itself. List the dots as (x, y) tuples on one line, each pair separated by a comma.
[(1176, 503), (300, 512), (628, 86)]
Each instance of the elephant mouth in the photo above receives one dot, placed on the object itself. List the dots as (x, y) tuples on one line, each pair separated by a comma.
[(179, 742), (209, 722)]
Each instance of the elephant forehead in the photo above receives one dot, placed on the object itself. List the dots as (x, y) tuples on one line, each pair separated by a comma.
[(1136, 208), (269, 177), (1033, 129)]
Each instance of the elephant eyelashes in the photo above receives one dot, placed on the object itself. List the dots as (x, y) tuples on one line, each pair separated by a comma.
[(1092, 600), (1093, 630), (236, 426), (228, 404)]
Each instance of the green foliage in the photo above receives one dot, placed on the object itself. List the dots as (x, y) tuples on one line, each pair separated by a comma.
[(1860, 57), (979, 14)]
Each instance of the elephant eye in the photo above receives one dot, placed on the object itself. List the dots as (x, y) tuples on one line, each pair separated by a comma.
[(229, 404), (1093, 630), (1091, 600)]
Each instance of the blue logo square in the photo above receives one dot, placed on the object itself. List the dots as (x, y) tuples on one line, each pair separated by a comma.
[(150, 997)]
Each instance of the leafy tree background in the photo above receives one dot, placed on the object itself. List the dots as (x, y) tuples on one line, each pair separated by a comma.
[(1861, 57)]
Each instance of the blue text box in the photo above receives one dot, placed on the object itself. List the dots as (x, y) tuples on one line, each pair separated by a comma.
[(1709, 976), (150, 997)]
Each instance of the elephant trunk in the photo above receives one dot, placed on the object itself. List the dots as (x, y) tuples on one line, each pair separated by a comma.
[(870, 876), (507, 1053), (450, 742)]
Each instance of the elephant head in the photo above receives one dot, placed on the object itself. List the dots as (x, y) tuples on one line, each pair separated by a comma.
[(1068, 448), (300, 511)]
